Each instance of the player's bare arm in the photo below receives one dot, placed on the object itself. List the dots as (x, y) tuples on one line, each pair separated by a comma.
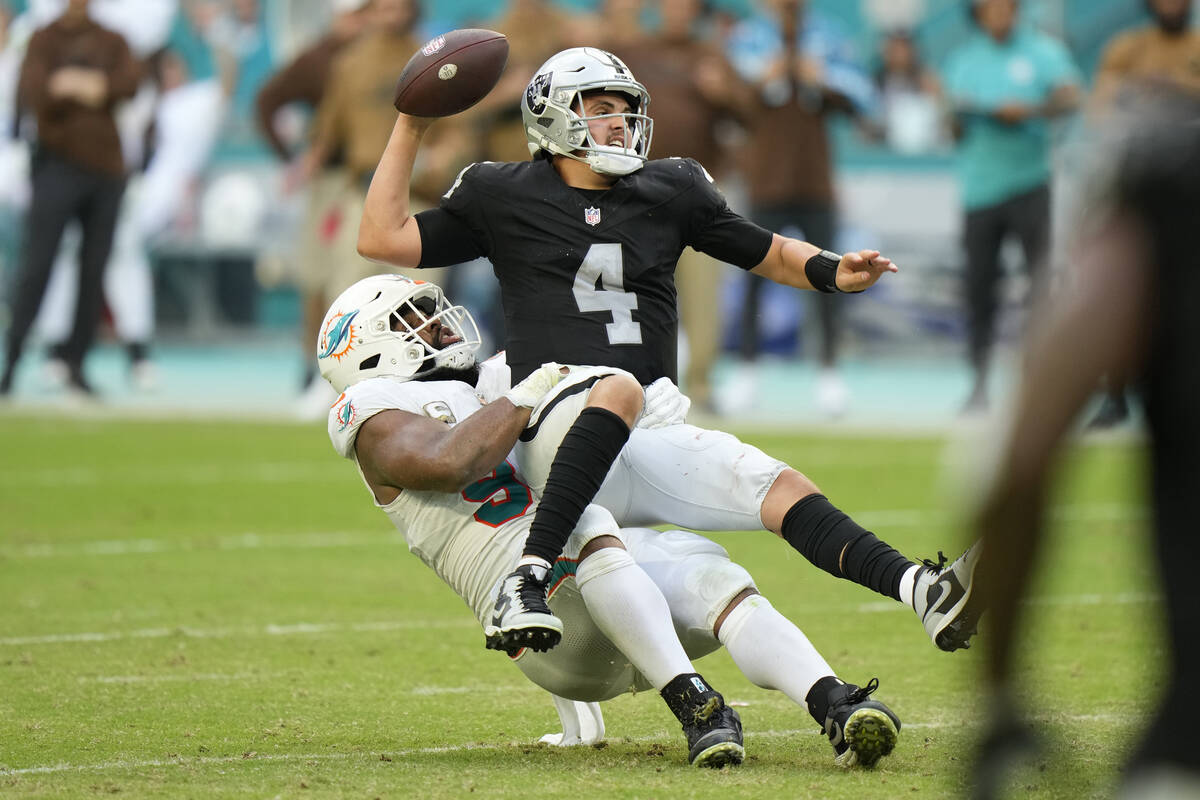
[(401, 450), (388, 232), (785, 263)]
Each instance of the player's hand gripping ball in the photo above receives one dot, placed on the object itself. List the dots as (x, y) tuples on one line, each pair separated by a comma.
[(451, 73)]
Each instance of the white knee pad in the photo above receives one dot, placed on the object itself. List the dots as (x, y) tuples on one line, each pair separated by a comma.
[(695, 575), (742, 612), (602, 562)]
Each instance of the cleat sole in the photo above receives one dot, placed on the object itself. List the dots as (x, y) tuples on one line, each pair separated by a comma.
[(537, 639), (871, 735), (720, 755)]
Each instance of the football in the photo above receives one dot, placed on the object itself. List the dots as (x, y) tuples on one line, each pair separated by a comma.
[(451, 73)]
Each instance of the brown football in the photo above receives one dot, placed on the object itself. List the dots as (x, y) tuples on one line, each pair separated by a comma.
[(451, 73)]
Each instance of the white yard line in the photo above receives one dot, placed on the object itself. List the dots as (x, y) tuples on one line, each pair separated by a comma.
[(887, 518), (241, 541), (186, 475), (312, 628), (418, 751), (188, 678), (1120, 599), (293, 629)]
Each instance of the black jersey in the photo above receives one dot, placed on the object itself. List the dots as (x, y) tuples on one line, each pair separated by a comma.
[(588, 276)]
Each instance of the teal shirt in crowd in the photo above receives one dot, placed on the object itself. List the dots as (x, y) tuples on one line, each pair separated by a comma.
[(998, 161)]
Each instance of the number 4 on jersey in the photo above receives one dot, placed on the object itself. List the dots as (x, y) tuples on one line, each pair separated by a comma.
[(600, 286)]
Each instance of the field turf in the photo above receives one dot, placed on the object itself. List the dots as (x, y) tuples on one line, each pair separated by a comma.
[(215, 609)]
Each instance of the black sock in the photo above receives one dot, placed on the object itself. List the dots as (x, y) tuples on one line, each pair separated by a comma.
[(837, 544), (818, 698), (580, 466), (138, 351), (685, 692)]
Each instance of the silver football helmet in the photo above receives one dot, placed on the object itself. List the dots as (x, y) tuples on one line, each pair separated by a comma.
[(365, 333), (552, 110)]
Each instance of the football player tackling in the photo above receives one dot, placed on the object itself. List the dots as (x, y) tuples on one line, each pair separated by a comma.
[(434, 459), (584, 240)]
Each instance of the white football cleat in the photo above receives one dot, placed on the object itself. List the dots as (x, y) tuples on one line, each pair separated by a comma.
[(521, 617), (944, 601)]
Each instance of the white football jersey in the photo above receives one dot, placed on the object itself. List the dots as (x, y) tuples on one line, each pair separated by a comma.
[(468, 538)]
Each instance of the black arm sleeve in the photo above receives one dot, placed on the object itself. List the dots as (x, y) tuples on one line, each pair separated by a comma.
[(445, 239)]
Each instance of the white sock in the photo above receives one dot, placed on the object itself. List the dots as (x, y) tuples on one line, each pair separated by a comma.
[(908, 583), (772, 652), (630, 610), (537, 561)]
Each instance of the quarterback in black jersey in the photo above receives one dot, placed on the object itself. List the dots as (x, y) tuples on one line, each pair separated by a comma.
[(594, 267), (584, 240)]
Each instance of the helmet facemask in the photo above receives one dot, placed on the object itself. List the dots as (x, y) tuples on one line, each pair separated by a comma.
[(376, 329), (555, 120), (454, 338), (613, 159)]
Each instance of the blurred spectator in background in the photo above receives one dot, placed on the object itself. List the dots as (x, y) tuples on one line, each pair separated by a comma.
[(1162, 56), (617, 26), (128, 283), (14, 154), (909, 92), (186, 120), (802, 69), (1130, 311), (73, 75), (355, 118), (1003, 85), (536, 30), (303, 81), (693, 89), (239, 33)]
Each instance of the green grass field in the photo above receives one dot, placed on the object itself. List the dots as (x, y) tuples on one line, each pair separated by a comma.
[(216, 610)]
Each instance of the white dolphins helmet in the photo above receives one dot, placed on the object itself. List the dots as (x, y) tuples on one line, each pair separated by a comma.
[(364, 334), (552, 110)]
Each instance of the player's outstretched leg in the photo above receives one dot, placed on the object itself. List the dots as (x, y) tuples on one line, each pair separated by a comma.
[(521, 617), (713, 729), (944, 599), (861, 730), (831, 540)]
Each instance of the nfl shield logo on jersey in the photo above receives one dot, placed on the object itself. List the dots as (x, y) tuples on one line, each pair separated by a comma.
[(591, 216)]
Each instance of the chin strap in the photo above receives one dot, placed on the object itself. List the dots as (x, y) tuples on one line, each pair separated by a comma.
[(613, 163)]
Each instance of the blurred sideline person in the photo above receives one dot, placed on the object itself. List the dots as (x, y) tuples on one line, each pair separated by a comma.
[(14, 152), (73, 75), (1003, 86), (909, 96), (355, 118), (582, 237), (186, 119), (695, 90), (802, 69), (437, 462), (1133, 300), (1162, 55), (303, 80)]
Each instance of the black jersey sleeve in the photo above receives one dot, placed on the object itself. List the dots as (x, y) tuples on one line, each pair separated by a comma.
[(445, 239), (455, 231), (718, 231)]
